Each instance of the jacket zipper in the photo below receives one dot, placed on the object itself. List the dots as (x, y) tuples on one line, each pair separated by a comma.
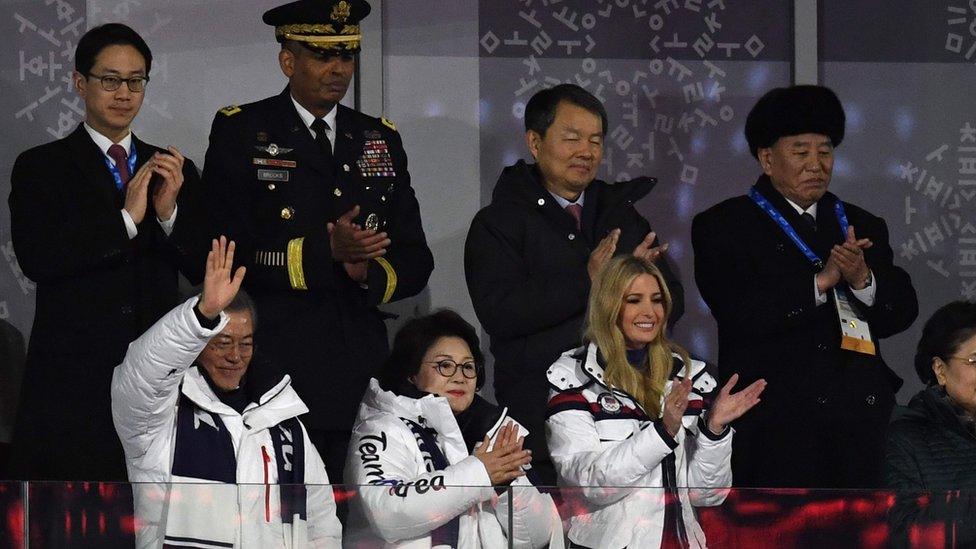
[(267, 485)]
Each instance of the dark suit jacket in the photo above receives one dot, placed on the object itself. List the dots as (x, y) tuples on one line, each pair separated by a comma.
[(322, 327), (97, 290), (760, 289), (526, 269)]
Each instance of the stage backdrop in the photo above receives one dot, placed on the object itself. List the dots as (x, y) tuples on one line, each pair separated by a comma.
[(677, 76), (904, 70)]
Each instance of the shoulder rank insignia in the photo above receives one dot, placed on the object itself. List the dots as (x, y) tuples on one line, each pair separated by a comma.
[(388, 123), (230, 110)]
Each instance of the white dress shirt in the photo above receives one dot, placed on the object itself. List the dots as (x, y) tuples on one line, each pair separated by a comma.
[(865, 295), (308, 118), (103, 144), (563, 202)]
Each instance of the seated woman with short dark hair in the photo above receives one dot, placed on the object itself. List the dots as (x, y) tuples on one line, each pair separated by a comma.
[(932, 441), (439, 455)]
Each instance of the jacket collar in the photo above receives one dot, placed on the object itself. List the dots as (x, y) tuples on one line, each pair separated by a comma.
[(522, 184), (290, 128), (430, 411), (91, 164), (935, 405), (581, 367), (827, 224), (277, 404)]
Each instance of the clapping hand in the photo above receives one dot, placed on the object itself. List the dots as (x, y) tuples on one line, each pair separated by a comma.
[(219, 287), (136, 193), (729, 407), (351, 244), (645, 250), (505, 459), (354, 247), (846, 261), (170, 168), (675, 404), (602, 254), (849, 258)]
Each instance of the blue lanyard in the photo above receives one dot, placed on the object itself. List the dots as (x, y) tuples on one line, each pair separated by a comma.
[(770, 210), (115, 169)]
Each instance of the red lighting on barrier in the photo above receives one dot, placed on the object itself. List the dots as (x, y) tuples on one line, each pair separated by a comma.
[(343, 494), (15, 523), (127, 524)]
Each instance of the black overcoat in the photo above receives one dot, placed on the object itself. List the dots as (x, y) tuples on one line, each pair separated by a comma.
[(822, 418), (97, 290)]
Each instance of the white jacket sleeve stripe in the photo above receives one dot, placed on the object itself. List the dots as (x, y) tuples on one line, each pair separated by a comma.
[(574, 445)]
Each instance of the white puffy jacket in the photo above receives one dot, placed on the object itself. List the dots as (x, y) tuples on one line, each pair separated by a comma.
[(601, 440), (194, 512), (404, 502)]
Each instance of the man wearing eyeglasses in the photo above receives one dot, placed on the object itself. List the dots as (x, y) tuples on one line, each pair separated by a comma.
[(100, 222), (212, 439)]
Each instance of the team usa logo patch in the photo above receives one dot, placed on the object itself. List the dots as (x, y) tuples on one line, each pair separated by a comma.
[(609, 403)]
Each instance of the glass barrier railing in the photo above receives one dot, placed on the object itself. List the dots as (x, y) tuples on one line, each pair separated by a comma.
[(91, 514)]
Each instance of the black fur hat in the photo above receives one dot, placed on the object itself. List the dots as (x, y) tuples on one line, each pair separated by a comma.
[(793, 111)]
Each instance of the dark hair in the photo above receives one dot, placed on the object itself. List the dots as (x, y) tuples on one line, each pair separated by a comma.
[(242, 303), (541, 110), (109, 34), (416, 337), (942, 335)]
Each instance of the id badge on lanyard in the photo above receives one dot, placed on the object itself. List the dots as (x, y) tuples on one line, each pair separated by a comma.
[(854, 329)]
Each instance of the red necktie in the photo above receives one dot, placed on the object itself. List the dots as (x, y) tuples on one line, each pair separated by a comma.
[(121, 159), (576, 211)]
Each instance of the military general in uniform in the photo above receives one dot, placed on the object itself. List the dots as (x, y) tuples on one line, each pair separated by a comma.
[(318, 198)]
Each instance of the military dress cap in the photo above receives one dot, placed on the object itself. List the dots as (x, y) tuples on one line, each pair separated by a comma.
[(795, 110), (325, 25)]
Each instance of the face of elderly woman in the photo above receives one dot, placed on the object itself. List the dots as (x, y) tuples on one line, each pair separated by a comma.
[(448, 370), (957, 373), (642, 311)]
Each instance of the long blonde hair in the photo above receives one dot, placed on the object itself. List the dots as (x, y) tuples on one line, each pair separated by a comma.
[(606, 299)]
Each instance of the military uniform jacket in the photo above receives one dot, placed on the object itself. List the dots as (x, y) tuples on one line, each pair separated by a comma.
[(760, 289), (97, 290), (276, 191)]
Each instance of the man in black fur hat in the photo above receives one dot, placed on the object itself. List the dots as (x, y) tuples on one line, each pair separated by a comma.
[(803, 286)]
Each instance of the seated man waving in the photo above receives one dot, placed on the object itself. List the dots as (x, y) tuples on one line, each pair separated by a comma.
[(217, 441)]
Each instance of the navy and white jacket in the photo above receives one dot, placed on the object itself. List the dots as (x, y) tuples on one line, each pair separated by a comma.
[(400, 502), (634, 478), (195, 489)]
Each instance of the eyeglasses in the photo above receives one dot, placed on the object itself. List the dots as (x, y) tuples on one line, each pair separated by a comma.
[(448, 368), (111, 82), (244, 348), (971, 360)]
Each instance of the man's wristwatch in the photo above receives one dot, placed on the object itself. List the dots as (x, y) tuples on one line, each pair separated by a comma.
[(867, 281)]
